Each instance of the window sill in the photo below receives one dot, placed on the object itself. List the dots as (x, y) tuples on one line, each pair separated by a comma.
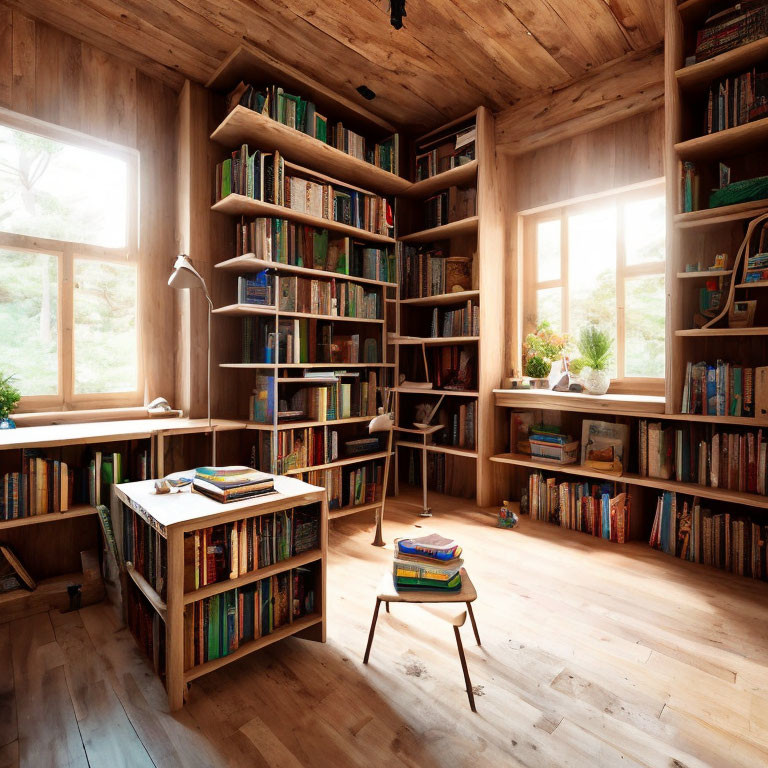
[(547, 399), (48, 418)]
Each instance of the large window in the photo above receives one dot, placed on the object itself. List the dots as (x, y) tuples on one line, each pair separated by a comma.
[(68, 268), (602, 262)]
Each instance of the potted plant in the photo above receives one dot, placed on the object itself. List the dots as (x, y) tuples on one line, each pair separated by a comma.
[(595, 350), (9, 396), (540, 351)]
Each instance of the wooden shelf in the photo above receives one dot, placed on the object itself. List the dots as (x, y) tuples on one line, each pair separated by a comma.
[(462, 227), (243, 126), (756, 284), (240, 205), (270, 366), (705, 273), (403, 341), (755, 331), (692, 489), (148, 591), (418, 391), (303, 424), (334, 514), (736, 140), (248, 263), (311, 556), (442, 299), (79, 510), (244, 310), (547, 399), (462, 174), (449, 449), (338, 463), (708, 217), (701, 74), (253, 645)]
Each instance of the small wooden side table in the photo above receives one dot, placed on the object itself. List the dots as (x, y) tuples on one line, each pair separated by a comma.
[(388, 593)]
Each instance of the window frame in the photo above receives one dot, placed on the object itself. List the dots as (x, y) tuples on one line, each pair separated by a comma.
[(532, 285), (66, 253)]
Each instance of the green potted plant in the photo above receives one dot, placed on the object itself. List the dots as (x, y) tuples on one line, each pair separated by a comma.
[(9, 396), (540, 351), (595, 350)]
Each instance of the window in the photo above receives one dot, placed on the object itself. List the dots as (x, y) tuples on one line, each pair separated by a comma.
[(602, 262), (68, 267)]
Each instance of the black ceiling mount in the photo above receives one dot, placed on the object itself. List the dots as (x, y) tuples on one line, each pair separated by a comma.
[(396, 13), (366, 92)]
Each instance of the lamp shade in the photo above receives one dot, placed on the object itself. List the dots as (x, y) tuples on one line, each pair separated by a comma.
[(184, 275)]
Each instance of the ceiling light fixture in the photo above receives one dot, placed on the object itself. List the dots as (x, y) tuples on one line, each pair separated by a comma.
[(396, 13)]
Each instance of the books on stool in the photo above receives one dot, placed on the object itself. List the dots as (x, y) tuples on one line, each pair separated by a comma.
[(225, 484), (427, 563)]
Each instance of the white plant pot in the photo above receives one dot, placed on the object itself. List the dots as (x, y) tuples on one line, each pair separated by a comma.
[(596, 382)]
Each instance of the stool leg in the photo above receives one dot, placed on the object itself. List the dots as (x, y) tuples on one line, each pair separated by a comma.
[(373, 629), (386, 605), (474, 623), (464, 669)]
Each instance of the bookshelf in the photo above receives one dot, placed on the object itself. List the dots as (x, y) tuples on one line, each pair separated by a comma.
[(168, 606), (469, 237), (294, 377)]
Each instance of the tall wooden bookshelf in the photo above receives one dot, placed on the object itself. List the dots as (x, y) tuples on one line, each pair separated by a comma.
[(476, 235), (317, 161), (692, 237)]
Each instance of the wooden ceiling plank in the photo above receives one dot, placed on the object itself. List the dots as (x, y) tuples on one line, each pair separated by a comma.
[(642, 19), (24, 72), (633, 85), (53, 15), (314, 52), (6, 56)]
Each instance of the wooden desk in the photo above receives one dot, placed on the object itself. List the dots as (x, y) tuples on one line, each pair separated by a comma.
[(171, 516)]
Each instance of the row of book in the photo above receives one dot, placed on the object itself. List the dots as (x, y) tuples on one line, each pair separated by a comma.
[(329, 297), (301, 245), (235, 549), (729, 27), (579, 507), (46, 486), (350, 485), (220, 624), (301, 114), (737, 100), (146, 549), (684, 529), (445, 473), (147, 627), (455, 322), (451, 150), (262, 176), (303, 341), (428, 270), (453, 204), (723, 389), (699, 453), (757, 263)]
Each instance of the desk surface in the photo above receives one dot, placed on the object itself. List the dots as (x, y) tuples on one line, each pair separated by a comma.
[(194, 510)]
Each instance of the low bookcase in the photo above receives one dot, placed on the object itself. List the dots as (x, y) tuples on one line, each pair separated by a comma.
[(263, 578)]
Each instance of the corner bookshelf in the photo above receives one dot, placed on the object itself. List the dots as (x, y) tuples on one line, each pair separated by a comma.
[(717, 456), (329, 395), (464, 246)]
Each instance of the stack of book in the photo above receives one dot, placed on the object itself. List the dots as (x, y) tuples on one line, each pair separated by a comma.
[(428, 562), (225, 484)]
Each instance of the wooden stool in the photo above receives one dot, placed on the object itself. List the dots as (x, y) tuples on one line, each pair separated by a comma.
[(467, 594)]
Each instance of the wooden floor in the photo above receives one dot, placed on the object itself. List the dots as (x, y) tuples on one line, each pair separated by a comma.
[(593, 655)]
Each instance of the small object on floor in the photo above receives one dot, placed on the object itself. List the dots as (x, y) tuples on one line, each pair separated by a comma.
[(507, 517), (75, 593)]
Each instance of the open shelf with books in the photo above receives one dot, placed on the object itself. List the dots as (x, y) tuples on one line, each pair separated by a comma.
[(278, 108), (211, 582), (450, 241)]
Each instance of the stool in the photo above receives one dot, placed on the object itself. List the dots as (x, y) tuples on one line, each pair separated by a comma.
[(467, 594)]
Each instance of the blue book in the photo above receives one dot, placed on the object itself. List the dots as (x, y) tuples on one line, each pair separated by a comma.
[(606, 508), (711, 390)]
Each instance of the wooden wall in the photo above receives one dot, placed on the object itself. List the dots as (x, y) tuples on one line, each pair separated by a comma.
[(47, 74)]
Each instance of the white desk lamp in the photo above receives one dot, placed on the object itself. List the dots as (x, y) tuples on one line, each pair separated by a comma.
[(185, 276)]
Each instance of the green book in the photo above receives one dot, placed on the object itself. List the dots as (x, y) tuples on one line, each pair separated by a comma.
[(226, 177), (213, 627)]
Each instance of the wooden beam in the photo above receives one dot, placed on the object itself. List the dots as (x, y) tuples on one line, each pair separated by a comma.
[(613, 92)]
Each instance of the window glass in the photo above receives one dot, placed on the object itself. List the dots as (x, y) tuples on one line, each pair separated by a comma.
[(29, 320), (644, 315), (548, 307), (61, 191), (644, 236), (548, 250), (105, 327)]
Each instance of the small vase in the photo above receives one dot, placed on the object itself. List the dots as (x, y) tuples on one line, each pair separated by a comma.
[(596, 382), (539, 383), (7, 423)]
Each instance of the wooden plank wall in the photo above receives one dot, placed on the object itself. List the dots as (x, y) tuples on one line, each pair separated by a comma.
[(47, 74), (612, 156)]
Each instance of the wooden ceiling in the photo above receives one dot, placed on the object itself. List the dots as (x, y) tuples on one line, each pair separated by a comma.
[(450, 56)]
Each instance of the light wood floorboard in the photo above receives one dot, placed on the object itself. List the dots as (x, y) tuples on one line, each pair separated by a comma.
[(593, 655)]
